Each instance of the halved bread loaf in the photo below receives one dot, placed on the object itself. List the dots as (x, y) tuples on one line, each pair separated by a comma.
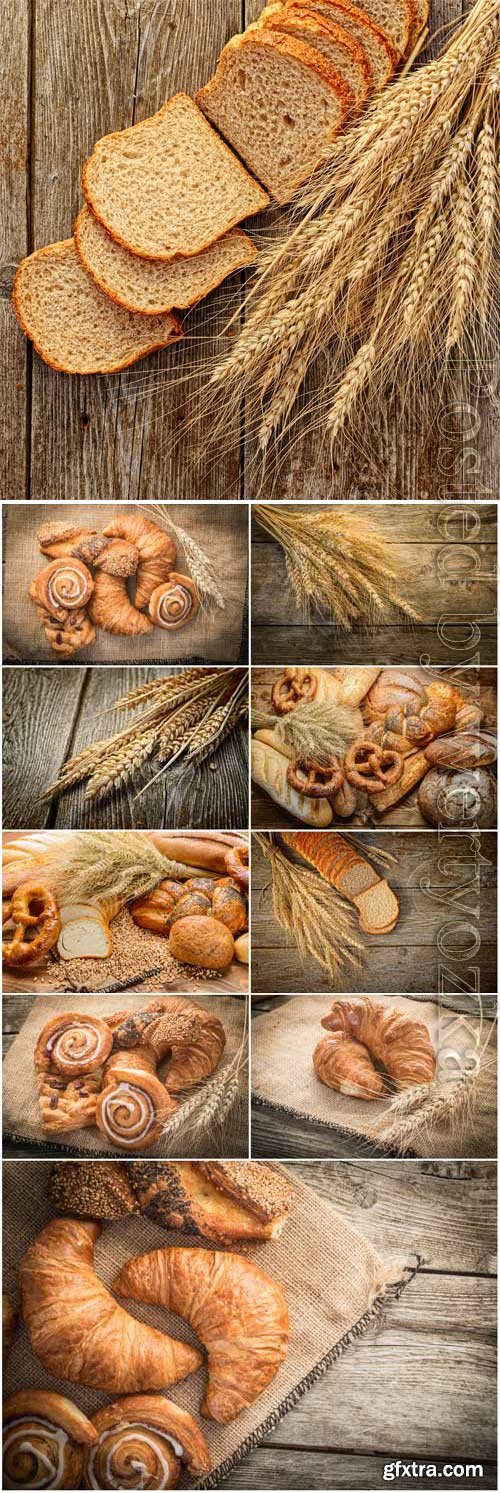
[(178, 1195), (345, 54), (279, 103), (150, 286), (381, 54), (169, 186), (73, 326)]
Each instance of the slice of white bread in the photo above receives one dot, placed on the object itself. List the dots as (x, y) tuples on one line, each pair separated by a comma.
[(74, 327), (169, 186), (345, 54), (381, 54), (279, 103), (395, 17), (151, 286), (420, 19)]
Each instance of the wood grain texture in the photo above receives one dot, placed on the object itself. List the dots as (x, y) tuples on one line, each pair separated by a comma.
[(478, 686), (447, 562), (74, 73), (445, 938), (52, 714)]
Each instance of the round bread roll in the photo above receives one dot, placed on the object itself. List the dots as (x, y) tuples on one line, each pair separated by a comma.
[(394, 687), (458, 799), (241, 948), (202, 941)]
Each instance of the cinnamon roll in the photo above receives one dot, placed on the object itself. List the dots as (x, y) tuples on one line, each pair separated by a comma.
[(44, 1437), (74, 1044), (174, 603), (133, 1105), (143, 1440), (64, 586)]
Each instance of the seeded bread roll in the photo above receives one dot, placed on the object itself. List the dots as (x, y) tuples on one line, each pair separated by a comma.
[(150, 286), (72, 325), (279, 104), (265, 1192), (92, 1189), (203, 942), (169, 185)]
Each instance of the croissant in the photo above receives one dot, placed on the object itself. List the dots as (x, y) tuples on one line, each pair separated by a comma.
[(175, 602), (142, 1442), (402, 1046), (76, 1328), (237, 1311), (194, 1038), (157, 552), (111, 608), (133, 1105), (44, 1440), (63, 587), (347, 1067), (60, 538)]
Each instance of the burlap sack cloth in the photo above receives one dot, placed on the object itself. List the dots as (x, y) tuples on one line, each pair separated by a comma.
[(21, 1114), (333, 1280), (283, 1075), (220, 529)]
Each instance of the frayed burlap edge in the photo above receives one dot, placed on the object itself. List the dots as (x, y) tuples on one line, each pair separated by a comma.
[(298, 1114), (389, 1293)]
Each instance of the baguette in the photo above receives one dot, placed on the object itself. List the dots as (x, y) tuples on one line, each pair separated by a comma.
[(414, 769), (202, 851), (269, 769)]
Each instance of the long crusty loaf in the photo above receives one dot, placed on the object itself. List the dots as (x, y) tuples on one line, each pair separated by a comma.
[(345, 54), (380, 53), (73, 326), (269, 770), (169, 185), (152, 287), (279, 104)]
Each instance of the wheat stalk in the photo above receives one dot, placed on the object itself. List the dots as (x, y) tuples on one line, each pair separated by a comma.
[(121, 764), (320, 923), (337, 565), (465, 274), (201, 567), (486, 208)]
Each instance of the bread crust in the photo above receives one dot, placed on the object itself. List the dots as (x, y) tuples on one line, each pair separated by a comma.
[(245, 258), (177, 253), (292, 20), (366, 23), (50, 250)]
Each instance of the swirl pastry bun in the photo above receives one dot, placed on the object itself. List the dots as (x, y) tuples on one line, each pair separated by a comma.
[(64, 586), (174, 603), (74, 1044), (133, 1105), (44, 1441), (142, 1442)]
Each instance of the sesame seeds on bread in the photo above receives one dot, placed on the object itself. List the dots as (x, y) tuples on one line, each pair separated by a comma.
[(178, 1195), (265, 1192), (279, 103), (152, 287), (169, 185), (73, 326)]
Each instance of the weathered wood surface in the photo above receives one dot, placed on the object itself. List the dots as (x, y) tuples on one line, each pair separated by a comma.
[(234, 1137), (52, 714), (478, 686), (448, 572), (445, 938), (71, 74)]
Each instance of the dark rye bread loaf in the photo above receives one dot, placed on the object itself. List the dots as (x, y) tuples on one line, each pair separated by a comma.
[(279, 103)]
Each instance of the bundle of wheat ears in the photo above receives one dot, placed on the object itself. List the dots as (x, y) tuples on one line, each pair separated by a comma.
[(337, 564), (187, 715), (320, 922), (388, 267)]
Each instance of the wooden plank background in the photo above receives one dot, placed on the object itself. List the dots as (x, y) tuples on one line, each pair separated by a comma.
[(443, 895), (70, 74), (478, 685), (438, 547), (49, 715)]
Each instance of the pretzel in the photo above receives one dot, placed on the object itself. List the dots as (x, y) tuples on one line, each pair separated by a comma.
[(32, 906), (313, 779), (294, 687), (237, 865), (372, 767)]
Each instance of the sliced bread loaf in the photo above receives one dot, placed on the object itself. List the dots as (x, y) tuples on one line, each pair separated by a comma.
[(381, 54), (74, 327), (169, 186), (151, 286), (279, 103), (345, 54), (395, 17)]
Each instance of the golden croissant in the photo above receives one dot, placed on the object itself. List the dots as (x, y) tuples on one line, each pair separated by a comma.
[(237, 1311), (347, 1067), (111, 608), (77, 1329), (402, 1046), (157, 552)]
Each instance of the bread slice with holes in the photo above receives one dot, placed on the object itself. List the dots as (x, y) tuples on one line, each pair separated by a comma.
[(345, 54), (170, 185), (279, 103), (381, 55), (152, 287), (73, 326), (395, 17)]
